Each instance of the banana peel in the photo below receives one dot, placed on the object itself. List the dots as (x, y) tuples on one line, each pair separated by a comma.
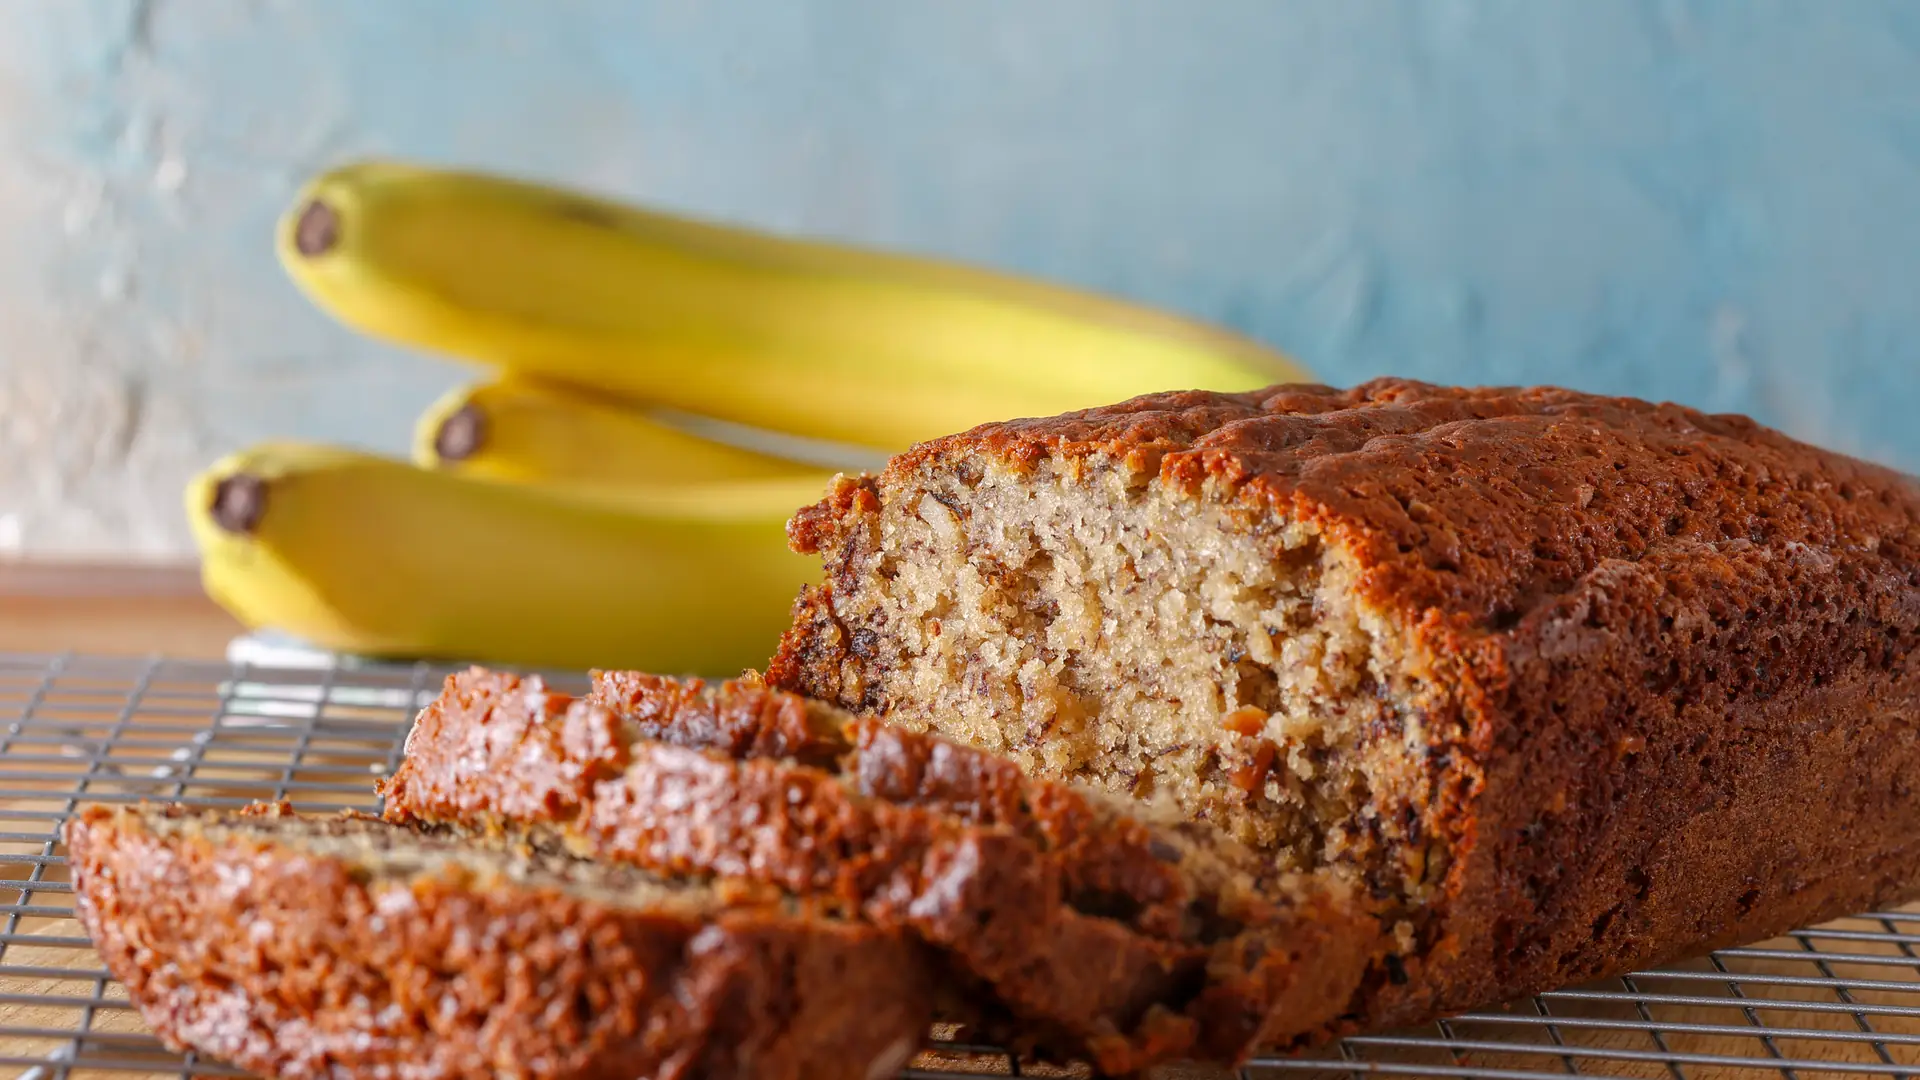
[(523, 431), (820, 340), (368, 555)]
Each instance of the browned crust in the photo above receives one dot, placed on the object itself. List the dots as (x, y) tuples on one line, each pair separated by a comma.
[(741, 717), (1477, 505), (1666, 661), (297, 965), (987, 887), (1716, 750)]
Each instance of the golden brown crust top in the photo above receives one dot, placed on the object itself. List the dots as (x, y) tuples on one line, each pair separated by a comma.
[(297, 964), (741, 717), (487, 721), (1475, 504)]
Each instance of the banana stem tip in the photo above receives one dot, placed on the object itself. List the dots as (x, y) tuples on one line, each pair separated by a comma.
[(461, 434), (239, 502), (317, 230)]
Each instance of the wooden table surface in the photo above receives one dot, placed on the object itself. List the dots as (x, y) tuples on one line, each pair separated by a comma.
[(123, 610)]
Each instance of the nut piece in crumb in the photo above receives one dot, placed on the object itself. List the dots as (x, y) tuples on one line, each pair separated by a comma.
[(1245, 720)]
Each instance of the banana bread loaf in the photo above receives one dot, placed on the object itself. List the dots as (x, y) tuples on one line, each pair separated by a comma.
[(1567, 684), (1090, 930), (343, 946)]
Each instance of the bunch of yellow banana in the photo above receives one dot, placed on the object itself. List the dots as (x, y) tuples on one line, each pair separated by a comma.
[(592, 504)]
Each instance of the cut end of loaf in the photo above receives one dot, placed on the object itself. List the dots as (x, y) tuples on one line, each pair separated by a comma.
[(1096, 624)]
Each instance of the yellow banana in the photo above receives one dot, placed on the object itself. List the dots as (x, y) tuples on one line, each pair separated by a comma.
[(368, 555), (521, 431), (817, 339)]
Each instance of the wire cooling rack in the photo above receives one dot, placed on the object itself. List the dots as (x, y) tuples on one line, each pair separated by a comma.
[(1841, 999)]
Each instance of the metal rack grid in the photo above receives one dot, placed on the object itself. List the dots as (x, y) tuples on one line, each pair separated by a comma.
[(1840, 999)]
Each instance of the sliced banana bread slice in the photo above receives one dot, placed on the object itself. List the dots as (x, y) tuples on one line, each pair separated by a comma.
[(1099, 934), (346, 946), (1573, 684)]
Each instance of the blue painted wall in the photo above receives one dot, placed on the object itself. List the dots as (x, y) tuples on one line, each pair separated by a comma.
[(1715, 202)]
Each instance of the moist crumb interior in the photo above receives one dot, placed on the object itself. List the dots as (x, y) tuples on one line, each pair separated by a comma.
[(1095, 626)]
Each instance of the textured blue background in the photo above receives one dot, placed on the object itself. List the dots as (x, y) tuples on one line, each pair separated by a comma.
[(1717, 203)]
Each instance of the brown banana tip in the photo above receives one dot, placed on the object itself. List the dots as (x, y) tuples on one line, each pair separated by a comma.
[(461, 434), (317, 230), (239, 502)]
